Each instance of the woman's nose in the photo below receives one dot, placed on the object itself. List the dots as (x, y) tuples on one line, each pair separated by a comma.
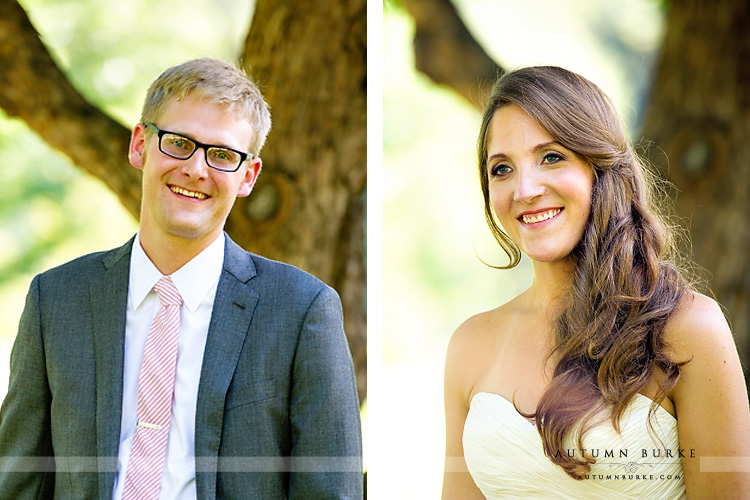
[(528, 187)]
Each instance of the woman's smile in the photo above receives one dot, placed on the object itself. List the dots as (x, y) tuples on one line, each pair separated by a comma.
[(535, 219)]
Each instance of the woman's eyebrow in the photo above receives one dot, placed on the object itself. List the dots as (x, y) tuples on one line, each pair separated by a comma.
[(536, 148), (502, 156), (546, 145)]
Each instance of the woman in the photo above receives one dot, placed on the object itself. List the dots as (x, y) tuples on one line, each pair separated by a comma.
[(610, 377)]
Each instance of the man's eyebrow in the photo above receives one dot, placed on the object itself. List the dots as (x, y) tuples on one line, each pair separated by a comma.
[(536, 148), (189, 137)]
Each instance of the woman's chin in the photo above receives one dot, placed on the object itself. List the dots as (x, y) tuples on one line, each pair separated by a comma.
[(548, 255)]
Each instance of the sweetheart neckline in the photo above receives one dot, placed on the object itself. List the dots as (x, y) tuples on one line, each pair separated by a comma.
[(532, 424)]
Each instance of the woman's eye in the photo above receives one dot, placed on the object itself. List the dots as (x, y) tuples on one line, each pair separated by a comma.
[(500, 170), (552, 158)]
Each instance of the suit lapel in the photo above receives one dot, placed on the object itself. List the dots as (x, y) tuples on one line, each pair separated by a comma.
[(108, 294), (230, 319)]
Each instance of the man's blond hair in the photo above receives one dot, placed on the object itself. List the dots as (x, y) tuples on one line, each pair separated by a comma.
[(214, 81)]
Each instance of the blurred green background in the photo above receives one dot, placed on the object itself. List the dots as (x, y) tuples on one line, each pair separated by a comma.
[(111, 50), (434, 226)]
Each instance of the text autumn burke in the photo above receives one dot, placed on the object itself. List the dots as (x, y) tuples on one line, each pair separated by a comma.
[(643, 453)]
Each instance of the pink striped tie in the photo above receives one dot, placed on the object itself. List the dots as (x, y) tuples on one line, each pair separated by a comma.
[(155, 389)]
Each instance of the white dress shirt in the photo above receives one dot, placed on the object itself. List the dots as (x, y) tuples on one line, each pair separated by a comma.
[(196, 282)]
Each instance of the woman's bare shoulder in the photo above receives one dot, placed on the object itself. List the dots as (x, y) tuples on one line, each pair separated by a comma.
[(696, 325), (699, 336), (483, 330), (710, 396), (475, 345)]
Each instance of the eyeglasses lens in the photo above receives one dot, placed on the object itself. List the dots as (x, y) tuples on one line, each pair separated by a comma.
[(177, 146), (182, 148), (224, 159)]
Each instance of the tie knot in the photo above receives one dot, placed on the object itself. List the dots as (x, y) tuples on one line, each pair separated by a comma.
[(167, 292)]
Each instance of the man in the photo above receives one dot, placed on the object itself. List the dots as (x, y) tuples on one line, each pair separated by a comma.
[(179, 366)]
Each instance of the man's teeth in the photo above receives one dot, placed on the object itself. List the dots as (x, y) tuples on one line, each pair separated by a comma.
[(530, 219), (185, 192)]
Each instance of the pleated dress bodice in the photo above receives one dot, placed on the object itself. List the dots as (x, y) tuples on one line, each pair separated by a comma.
[(504, 454)]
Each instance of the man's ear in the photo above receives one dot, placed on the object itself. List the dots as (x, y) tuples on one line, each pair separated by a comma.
[(137, 146), (251, 175)]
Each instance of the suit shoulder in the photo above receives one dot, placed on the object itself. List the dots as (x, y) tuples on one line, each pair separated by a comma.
[(281, 271), (287, 277), (82, 265), (76, 265), (82, 269)]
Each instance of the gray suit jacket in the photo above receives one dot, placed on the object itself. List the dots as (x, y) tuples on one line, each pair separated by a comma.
[(277, 413)]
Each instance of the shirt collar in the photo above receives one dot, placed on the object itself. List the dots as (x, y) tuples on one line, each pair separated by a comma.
[(193, 280)]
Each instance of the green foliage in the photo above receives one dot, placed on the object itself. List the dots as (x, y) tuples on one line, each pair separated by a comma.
[(31, 222), (393, 4)]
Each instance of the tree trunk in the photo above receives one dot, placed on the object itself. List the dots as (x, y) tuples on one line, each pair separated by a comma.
[(699, 115), (309, 203), (308, 207)]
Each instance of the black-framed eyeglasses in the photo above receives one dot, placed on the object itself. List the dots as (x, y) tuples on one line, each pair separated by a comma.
[(182, 147)]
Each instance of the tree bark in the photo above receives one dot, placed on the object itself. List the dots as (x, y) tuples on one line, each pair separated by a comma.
[(699, 115), (308, 207), (445, 51)]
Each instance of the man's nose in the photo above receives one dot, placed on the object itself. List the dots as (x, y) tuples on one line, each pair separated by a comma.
[(196, 166)]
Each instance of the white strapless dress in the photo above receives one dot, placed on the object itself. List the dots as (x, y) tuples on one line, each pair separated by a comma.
[(504, 454)]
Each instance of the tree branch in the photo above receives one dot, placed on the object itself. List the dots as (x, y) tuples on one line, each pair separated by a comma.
[(447, 52), (34, 89)]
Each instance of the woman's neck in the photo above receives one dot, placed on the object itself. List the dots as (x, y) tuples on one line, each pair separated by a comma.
[(550, 284)]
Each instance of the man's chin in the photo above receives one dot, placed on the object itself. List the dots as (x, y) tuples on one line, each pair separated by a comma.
[(189, 231)]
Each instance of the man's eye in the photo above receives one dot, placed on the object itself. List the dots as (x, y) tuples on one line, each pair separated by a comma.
[(224, 155), (178, 143)]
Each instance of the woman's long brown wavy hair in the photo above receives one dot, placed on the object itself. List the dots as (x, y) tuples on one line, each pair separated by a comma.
[(628, 277)]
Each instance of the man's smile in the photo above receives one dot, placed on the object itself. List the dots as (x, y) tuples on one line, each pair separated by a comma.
[(189, 194)]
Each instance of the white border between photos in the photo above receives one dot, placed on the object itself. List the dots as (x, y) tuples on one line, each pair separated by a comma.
[(375, 244)]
